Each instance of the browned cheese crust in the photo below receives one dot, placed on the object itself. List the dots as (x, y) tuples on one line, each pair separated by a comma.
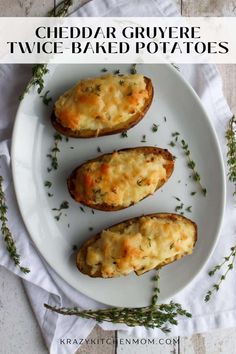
[(88, 133), (85, 268), (76, 179)]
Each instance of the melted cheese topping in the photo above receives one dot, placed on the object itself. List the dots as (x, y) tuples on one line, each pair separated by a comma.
[(121, 178), (101, 102), (141, 246)]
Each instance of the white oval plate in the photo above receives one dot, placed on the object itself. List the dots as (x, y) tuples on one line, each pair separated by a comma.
[(33, 138)]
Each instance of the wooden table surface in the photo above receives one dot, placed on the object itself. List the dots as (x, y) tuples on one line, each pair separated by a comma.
[(220, 341)]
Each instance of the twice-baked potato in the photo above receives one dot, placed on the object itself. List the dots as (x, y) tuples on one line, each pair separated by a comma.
[(102, 105), (120, 179), (138, 245)]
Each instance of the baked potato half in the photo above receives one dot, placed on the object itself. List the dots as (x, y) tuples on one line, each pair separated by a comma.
[(102, 105), (139, 244), (120, 179)]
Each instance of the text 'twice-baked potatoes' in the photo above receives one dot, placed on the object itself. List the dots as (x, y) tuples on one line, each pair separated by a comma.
[(120, 179)]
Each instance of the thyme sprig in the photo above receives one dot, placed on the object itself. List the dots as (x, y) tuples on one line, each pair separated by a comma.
[(37, 79), (231, 153), (6, 233), (53, 156), (40, 70), (150, 317), (46, 100), (190, 163), (61, 9), (228, 262), (153, 316)]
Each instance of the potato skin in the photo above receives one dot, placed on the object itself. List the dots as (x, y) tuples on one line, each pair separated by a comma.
[(118, 129), (82, 252), (144, 149)]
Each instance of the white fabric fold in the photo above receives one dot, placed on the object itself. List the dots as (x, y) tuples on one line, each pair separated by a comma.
[(42, 284)]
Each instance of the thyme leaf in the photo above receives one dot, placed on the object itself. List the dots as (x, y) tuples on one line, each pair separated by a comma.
[(124, 134), (46, 99), (61, 9), (6, 233), (133, 69), (155, 127), (53, 155)]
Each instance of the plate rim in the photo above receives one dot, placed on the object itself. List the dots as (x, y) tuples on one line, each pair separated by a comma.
[(222, 172)]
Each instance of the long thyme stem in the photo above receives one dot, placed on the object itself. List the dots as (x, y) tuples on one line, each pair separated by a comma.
[(231, 153), (40, 70), (10, 243), (229, 262), (190, 163), (153, 316)]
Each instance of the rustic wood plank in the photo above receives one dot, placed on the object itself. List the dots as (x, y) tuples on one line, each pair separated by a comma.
[(19, 331), (100, 342), (228, 74), (219, 341), (145, 345), (25, 7), (209, 8)]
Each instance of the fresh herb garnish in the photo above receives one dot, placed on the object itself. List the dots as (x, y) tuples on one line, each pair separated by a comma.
[(155, 127), (99, 149), (124, 134), (231, 152), (48, 184), (229, 264), (189, 209), (116, 72), (177, 199), (82, 209), (104, 70), (140, 181), (50, 195), (90, 228), (46, 99), (38, 72), (165, 119), (61, 9), (143, 139), (153, 316), (74, 248), (54, 151), (133, 69), (6, 233), (179, 207), (190, 163), (193, 193), (63, 205)]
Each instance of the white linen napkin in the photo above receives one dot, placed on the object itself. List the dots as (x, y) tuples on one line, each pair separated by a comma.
[(42, 284)]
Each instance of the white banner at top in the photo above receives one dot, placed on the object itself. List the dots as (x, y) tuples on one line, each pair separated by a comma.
[(118, 40)]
